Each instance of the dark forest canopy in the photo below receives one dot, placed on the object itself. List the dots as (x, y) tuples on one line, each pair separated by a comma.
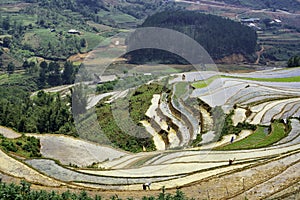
[(219, 36)]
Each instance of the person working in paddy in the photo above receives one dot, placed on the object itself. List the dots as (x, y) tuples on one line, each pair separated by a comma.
[(146, 185)]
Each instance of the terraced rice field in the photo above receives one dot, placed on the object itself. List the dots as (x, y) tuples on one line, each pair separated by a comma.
[(201, 170), (70, 150)]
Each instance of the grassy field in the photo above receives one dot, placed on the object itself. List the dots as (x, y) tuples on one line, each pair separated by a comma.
[(40, 37), (117, 18), (181, 89), (204, 83), (92, 39), (123, 18), (21, 80), (24, 19), (140, 101), (260, 138), (286, 79)]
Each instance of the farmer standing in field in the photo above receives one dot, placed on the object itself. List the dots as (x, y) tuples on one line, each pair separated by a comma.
[(232, 139)]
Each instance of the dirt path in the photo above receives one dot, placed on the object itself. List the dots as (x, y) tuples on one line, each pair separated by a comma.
[(259, 53), (55, 89), (9, 133)]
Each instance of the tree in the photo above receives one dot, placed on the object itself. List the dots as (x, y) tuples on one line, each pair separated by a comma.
[(6, 23), (44, 66), (26, 65), (6, 42), (82, 42), (53, 66), (54, 77), (42, 78), (68, 73), (294, 61), (11, 68)]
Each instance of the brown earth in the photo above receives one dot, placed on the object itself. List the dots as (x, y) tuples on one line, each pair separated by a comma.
[(78, 57), (232, 59)]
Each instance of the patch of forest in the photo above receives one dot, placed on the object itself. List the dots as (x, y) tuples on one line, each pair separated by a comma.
[(43, 113), (294, 61), (219, 36)]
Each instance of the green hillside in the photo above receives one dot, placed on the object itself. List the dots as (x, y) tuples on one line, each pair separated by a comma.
[(288, 5)]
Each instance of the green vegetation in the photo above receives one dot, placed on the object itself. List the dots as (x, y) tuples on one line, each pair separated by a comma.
[(285, 79), (111, 117), (45, 113), (50, 74), (290, 5), (24, 146), (260, 138), (180, 89), (134, 81), (204, 83), (140, 101), (223, 125), (23, 191), (22, 81), (228, 127), (106, 87), (40, 76), (31, 33), (196, 141), (294, 61), (219, 36), (280, 46)]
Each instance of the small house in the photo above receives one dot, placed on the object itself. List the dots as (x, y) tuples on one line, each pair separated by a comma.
[(74, 32)]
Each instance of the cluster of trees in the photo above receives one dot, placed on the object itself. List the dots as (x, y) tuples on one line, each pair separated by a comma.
[(43, 113), (106, 87), (13, 31), (219, 36), (50, 74), (87, 10), (294, 61), (12, 27), (61, 47), (24, 146), (90, 8), (23, 191), (45, 74), (141, 9)]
